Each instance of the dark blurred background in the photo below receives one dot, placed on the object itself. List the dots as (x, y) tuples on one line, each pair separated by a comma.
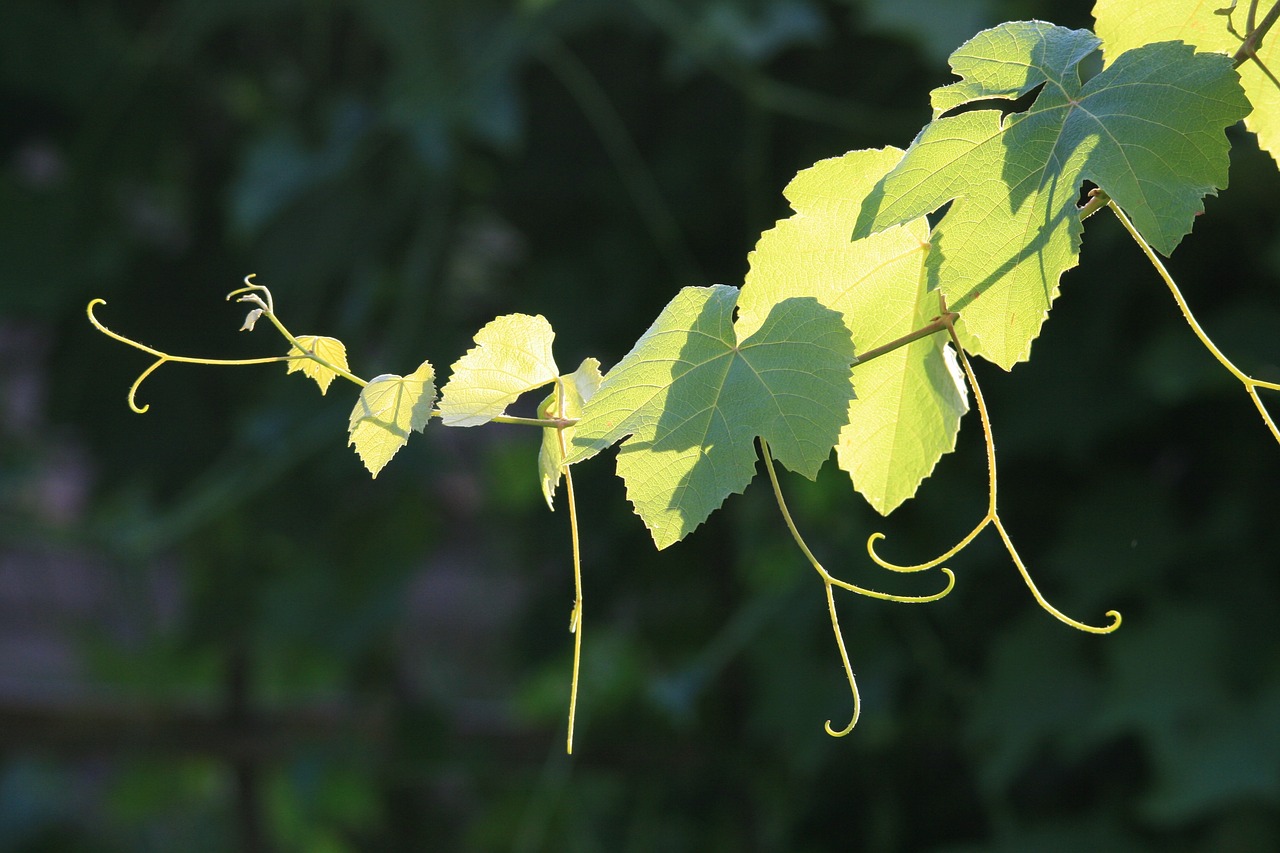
[(217, 633)]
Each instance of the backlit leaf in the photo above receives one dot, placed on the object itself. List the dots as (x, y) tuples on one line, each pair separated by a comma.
[(579, 387), (910, 400), (389, 408), (512, 356), (1126, 25), (1148, 130), (330, 349), (693, 395)]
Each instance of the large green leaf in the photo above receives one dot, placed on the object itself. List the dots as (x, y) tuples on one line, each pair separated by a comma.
[(1124, 25), (512, 355), (578, 387), (1148, 130), (693, 395), (909, 401), (389, 408)]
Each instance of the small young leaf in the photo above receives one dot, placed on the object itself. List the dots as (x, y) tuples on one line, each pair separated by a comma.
[(388, 409), (1149, 130), (909, 402), (331, 350), (513, 356), (579, 387), (250, 320), (693, 396), (1124, 25)]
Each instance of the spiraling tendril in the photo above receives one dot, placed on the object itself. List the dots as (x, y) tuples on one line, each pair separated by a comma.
[(992, 517), (830, 583)]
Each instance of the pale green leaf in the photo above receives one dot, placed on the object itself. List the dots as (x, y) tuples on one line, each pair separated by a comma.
[(693, 395), (389, 408), (579, 387), (512, 356), (1149, 130), (910, 400), (1124, 25), (331, 350)]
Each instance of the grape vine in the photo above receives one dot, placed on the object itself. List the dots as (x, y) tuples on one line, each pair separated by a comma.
[(854, 327)]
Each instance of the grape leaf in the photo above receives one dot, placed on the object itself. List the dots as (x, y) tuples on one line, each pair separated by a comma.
[(389, 408), (910, 400), (1126, 25), (1149, 130), (579, 387), (331, 350), (693, 395), (512, 356)]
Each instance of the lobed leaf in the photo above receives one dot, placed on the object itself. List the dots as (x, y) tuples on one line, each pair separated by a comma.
[(692, 396), (578, 387), (1148, 129), (331, 350), (512, 356), (910, 401), (1126, 25), (389, 408)]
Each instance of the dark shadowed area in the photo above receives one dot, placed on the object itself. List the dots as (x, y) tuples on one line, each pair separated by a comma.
[(218, 633)]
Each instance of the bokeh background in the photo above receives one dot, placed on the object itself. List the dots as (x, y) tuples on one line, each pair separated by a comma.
[(217, 633)]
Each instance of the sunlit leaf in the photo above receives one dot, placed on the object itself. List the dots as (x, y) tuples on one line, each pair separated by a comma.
[(692, 395), (909, 401), (330, 349), (388, 409), (1149, 130), (1125, 24), (579, 387), (512, 356)]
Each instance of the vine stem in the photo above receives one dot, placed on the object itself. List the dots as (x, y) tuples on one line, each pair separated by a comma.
[(1254, 34), (250, 293), (830, 583), (1251, 385), (992, 516)]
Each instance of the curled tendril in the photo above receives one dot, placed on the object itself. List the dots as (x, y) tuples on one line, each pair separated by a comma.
[(164, 357), (848, 670), (992, 516), (887, 596), (250, 293), (830, 582), (936, 561)]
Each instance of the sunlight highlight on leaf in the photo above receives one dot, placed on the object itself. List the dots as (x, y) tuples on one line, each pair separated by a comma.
[(1126, 25), (909, 402), (331, 350), (692, 396), (389, 408), (512, 356), (1149, 130)]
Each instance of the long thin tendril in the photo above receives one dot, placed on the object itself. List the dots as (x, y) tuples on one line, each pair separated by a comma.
[(1251, 385), (830, 583), (992, 516), (164, 357), (575, 619), (254, 293)]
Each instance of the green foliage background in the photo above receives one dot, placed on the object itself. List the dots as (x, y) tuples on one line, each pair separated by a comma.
[(248, 644)]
